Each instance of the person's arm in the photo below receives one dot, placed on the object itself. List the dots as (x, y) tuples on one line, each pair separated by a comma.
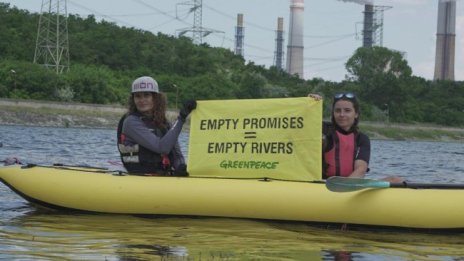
[(360, 169), (362, 157), (177, 156), (135, 129)]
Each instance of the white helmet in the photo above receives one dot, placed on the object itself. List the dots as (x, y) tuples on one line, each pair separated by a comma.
[(145, 84)]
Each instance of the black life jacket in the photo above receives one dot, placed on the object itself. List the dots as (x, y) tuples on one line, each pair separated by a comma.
[(138, 159)]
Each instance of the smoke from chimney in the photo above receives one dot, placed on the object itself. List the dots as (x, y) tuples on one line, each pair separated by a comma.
[(362, 2)]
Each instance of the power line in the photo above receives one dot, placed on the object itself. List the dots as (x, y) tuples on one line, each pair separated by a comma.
[(132, 15), (273, 30), (327, 59), (331, 41), (156, 9), (175, 17), (101, 14), (231, 17)]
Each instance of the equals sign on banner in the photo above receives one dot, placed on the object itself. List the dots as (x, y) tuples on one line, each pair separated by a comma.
[(250, 135)]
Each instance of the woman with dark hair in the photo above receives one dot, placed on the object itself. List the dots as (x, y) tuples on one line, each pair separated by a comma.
[(346, 150), (147, 142)]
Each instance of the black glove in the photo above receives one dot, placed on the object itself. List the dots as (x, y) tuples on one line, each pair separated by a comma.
[(181, 171), (189, 106)]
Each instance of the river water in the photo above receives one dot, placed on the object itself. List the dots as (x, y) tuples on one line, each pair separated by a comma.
[(27, 233)]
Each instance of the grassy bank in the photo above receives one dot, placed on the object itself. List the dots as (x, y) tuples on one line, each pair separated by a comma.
[(412, 132), (34, 113), (53, 117), (52, 114)]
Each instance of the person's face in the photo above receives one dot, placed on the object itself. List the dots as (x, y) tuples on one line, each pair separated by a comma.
[(143, 101), (344, 114)]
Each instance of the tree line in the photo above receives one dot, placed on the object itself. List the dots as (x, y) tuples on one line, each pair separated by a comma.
[(105, 58)]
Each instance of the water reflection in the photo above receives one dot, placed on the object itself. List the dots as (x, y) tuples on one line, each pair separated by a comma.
[(49, 235), (337, 255)]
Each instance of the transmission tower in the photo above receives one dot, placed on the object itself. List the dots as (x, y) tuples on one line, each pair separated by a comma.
[(52, 44), (197, 30), (378, 22)]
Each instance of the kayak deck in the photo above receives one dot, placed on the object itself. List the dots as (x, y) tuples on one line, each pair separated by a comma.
[(94, 190)]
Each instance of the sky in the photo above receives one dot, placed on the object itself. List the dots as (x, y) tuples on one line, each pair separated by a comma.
[(332, 28)]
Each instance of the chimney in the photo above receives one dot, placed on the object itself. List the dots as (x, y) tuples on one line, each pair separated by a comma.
[(295, 46), (279, 53), (368, 31), (445, 46), (239, 35)]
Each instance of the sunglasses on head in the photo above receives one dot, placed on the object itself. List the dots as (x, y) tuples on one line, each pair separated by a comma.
[(347, 95)]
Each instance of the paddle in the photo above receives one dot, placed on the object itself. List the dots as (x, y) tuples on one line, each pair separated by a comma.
[(343, 184)]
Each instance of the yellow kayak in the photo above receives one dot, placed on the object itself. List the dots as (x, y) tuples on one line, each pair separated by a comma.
[(95, 190)]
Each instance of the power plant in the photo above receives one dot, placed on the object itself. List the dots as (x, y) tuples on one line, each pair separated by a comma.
[(445, 45), (295, 45), (372, 35), (52, 44)]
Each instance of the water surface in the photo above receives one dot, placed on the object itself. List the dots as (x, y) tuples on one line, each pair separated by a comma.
[(27, 233)]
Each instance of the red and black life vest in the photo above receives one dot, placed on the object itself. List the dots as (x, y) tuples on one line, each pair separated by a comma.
[(339, 160)]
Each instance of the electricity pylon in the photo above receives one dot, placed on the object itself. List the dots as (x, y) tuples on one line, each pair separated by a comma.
[(197, 30), (52, 44)]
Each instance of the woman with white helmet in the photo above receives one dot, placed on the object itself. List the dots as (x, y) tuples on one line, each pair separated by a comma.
[(147, 142)]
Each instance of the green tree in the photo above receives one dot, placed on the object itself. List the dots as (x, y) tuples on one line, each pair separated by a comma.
[(27, 81), (384, 76), (17, 33), (251, 85), (92, 84)]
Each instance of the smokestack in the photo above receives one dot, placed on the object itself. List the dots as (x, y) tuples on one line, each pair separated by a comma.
[(239, 35), (279, 53), (445, 46), (362, 2), (368, 31), (295, 46)]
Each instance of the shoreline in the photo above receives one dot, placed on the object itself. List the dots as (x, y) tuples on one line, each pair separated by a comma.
[(412, 132), (79, 115), (60, 114)]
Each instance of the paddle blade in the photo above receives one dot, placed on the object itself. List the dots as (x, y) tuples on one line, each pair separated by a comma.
[(343, 184)]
